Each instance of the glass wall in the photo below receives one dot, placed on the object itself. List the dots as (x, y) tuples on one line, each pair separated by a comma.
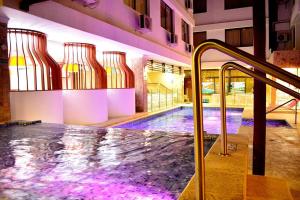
[(239, 88), (164, 86)]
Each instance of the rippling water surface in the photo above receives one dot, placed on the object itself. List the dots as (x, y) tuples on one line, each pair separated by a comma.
[(49, 161)]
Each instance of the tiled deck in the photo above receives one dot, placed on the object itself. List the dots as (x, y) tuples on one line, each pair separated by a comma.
[(282, 150)]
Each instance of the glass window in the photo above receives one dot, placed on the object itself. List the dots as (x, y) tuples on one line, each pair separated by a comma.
[(231, 4), (199, 37), (185, 31), (239, 37), (166, 17), (140, 6), (199, 6)]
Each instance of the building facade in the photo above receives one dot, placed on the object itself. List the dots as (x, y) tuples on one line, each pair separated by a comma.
[(153, 31)]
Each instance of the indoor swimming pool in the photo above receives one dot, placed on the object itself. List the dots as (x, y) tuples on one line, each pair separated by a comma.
[(55, 162)]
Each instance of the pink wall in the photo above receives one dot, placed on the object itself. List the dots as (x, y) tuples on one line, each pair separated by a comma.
[(85, 106), (37, 105), (121, 102)]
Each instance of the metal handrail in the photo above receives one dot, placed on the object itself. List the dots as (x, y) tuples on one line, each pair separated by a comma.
[(223, 99), (296, 108), (277, 107), (245, 57), (159, 85)]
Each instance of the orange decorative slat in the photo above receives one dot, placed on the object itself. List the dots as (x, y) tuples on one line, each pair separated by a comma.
[(31, 67), (119, 75), (80, 69)]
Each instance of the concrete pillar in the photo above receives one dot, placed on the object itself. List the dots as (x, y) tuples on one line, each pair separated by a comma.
[(259, 135), (138, 67), (4, 72)]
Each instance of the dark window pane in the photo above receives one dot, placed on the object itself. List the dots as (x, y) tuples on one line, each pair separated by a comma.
[(231, 4), (199, 6), (166, 17), (185, 32), (163, 14), (232, 37), (169, 21), (246, 37), (199, 37), (239, 37)]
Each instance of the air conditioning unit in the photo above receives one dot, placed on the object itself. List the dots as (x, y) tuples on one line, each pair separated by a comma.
[(188, 4), (172, 38), (282, 36), (188, 47), (145, 23)]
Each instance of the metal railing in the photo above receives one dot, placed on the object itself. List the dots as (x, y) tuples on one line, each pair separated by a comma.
[(197, 99), (283, 104), (223, 99), (161, 97)]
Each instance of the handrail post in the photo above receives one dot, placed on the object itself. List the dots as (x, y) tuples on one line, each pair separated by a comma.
[(198, 125), (177, 96), (159, 98), (172, 97), (166, 98), (151, 95), (223, 110), (296, 108)]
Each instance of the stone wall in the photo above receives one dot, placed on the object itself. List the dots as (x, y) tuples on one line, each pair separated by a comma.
[(4, 75)]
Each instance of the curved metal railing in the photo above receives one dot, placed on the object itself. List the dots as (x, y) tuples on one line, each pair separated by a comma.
[(166, 92), (197, 99)]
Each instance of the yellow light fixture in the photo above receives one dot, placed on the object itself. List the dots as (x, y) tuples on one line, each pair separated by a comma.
[(71, 67), (15, 61)]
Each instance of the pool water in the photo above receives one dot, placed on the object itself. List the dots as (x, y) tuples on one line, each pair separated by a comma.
[(55, 162), (181, 120), (269, 123)]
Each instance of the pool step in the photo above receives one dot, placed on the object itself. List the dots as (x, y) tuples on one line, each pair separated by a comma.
[(267, 188), (19, 123)]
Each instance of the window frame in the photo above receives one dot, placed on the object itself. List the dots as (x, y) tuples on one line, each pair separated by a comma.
[(202, 8), (241, 43), (133, 5), (164, 8), (185, 29)]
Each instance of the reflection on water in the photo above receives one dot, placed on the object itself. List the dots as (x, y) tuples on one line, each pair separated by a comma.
[(181, 120), (49, 161)]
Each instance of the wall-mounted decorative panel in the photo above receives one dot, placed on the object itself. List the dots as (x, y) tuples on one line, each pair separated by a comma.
[(119, 75), (31, 67), (80, 69)]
